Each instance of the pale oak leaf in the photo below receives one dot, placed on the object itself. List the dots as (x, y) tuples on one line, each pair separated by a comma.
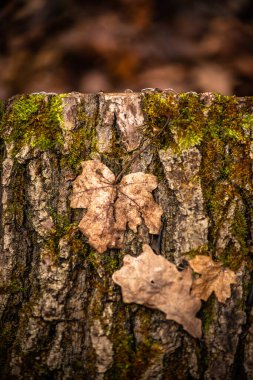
[(154, 282)]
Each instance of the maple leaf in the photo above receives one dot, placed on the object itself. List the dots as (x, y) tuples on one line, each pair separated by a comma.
[(111, 206), (214, 278), (153, 281)]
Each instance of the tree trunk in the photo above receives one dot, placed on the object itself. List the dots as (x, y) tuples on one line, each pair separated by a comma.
[(62, 316)]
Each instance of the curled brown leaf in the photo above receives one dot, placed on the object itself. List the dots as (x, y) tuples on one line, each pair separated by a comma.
[(214, 278)]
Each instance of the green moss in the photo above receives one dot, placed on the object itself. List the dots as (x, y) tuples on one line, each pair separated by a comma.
[(111, 262), (186, 119), (158, 107), (83, 140), (16, 205), (35, 121), (77, 149), (221, 130), (208, 313), (93, 259), (191, 121), (187, 126), (201, 250), (75, 239), (131, 358), (231, 256), (226, 174), (64, 228), (15, 286)]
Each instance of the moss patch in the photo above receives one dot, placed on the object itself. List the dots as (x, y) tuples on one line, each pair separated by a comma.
[(208, 313), (226, 176), (33, 120), (231, 256), (83, 140), (131, 358), (186, 115), (16, 205), (70, 232), (220, 128)]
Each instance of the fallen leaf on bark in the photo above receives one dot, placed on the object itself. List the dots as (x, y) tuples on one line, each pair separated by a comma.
[(214, 278), (153, 281), (111, 206)]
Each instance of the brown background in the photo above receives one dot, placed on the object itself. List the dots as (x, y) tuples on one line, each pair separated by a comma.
[(88, 46)]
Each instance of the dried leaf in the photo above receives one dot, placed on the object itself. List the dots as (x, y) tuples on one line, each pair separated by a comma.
[(111, 206), (214, 278), (153, 281)]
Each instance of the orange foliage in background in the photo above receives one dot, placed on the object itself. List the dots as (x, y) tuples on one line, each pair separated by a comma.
[(73, 45)]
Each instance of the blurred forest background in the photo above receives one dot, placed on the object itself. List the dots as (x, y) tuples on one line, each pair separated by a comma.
[(88, 46)]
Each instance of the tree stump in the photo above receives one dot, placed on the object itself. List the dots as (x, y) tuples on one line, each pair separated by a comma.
[(62, 316)]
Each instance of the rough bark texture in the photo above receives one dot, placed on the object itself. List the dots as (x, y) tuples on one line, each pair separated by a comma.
[(62, 317)]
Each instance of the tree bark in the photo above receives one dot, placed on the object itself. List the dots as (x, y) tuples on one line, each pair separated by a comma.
[(62, 316)]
